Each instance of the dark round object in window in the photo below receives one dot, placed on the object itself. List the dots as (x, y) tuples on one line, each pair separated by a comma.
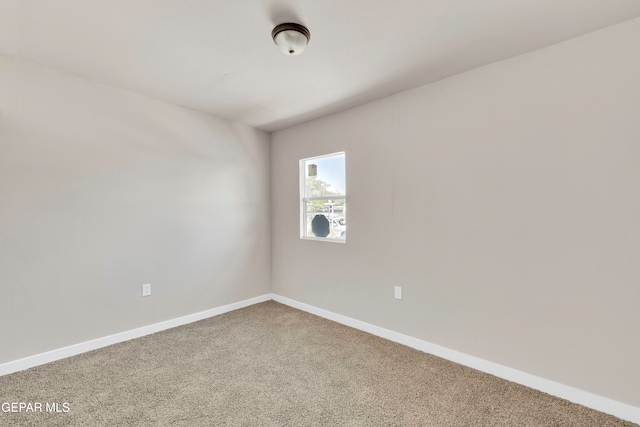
[(320, 226)]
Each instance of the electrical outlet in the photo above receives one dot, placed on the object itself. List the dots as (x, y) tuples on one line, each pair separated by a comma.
[(397, 292), (146, 290)]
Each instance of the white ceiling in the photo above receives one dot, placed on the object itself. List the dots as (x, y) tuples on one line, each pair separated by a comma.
[(217, 56)]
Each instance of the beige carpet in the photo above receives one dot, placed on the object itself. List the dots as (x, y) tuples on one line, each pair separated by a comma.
[(272, 365)]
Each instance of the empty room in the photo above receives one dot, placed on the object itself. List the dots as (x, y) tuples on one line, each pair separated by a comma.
[(177, 178)]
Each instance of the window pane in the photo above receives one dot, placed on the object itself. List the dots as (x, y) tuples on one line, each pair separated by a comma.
[(324, 176), (325, 218)]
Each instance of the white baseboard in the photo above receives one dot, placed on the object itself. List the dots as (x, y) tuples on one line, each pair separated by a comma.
[(572, 394), (72, 350)]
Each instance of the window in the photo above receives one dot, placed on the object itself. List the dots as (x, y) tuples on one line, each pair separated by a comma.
[(323, 198)]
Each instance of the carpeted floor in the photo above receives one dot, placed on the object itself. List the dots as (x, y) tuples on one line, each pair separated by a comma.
[(272, 365)]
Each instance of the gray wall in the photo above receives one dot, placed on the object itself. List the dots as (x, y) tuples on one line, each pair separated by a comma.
[(504, 200), (101, 191)]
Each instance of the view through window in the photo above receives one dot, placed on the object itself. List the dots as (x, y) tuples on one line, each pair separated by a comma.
[(323, 198)]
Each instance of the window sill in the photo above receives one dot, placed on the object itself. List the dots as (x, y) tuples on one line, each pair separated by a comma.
[(322, 239)]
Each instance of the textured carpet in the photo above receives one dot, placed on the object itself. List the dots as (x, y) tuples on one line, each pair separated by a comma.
[(272, 365)]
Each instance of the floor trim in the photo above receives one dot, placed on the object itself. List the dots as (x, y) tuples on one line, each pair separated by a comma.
[(572, 394), (72, 350)]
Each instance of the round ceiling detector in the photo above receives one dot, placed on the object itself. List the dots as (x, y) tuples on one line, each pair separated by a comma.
[(291, 38)]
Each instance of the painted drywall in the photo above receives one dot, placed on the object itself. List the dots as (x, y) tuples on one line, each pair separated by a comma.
[(102, 191), (504, 200)]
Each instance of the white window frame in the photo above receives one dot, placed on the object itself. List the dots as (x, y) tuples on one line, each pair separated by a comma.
[(303, 199)]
